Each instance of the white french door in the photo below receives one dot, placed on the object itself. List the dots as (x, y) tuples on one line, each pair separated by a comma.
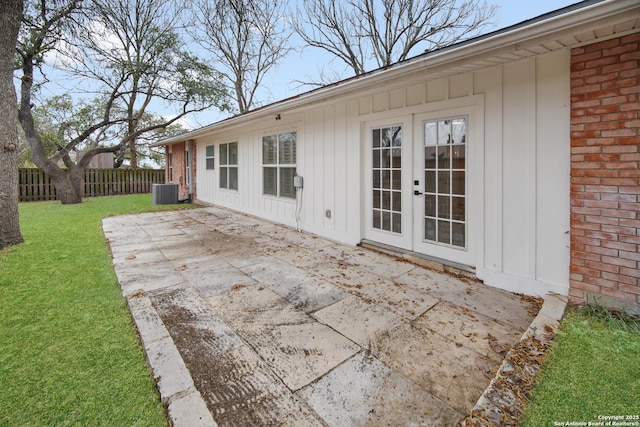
[(388, 212), (442, 202), (423, 188)]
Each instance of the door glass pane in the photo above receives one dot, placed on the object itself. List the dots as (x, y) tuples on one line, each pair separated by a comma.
[(430, 133), (386, 158), (387, 178), (458, 234), (396, 198), (458, 157), (430, 157), (430, 229), (376, 138), (397, 180), (458, 182), (444, 132), (444, 158), (444, 210), (430, 205), (377, 199), (386, 220), (386, 200), (396, 223), (376, 219), (430, 181), (457, 208), (458, 131), (444, 235), (445, 181)]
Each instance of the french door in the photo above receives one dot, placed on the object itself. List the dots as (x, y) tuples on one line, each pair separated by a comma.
[(442, 203), (418, 179), (388, 217)]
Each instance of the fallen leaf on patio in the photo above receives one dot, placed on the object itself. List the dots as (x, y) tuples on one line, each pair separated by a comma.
[(181, 268)]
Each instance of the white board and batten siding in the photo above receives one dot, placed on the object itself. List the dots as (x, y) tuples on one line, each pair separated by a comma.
[(519, 161)]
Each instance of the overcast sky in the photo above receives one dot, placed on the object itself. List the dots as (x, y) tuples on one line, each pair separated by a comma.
[(308, 64)]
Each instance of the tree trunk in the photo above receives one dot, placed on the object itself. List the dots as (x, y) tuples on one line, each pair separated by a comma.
[(68, 183), (10, 18), (134, 154)]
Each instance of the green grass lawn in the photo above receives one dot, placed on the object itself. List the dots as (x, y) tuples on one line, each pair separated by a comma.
[(592, 369), (70, 354)]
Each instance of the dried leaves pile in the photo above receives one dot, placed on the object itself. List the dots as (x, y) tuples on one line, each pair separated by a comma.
[(510, 389)]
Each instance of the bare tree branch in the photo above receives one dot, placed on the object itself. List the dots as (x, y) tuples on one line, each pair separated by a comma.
[(368, 33), (247, 37)]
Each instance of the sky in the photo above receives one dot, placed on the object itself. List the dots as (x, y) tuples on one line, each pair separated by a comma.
[(308, 64)]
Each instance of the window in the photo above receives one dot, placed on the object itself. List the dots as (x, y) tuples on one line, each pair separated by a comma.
[(170, 161), (279, 164), (445, 179), (229, 166), (210, 156), (387, 179)]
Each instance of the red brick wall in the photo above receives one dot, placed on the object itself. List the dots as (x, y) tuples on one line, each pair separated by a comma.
[(180, 169), (605, 174)]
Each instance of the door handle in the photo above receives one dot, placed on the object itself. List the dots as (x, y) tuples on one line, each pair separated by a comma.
[(416, 193)]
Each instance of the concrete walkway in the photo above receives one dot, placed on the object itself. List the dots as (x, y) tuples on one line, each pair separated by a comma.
[(249, 323)]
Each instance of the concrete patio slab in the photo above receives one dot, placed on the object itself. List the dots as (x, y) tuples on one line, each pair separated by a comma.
[(306, 292), (298, 349), (471, 329), (359, 321), (472, 295), (365, 392), (262, 325), (404, 300), (447, 369), (146, 277), (214, 276)]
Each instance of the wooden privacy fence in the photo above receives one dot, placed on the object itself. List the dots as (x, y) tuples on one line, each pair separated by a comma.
[(33, 184)]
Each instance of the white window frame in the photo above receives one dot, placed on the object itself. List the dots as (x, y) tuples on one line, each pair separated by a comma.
[(211, 157), (279, 165), (226, 166)]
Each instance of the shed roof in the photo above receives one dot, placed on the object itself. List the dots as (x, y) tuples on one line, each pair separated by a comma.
[(579, 24)]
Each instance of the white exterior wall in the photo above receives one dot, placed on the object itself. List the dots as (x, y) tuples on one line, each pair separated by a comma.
[(522, 163)]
